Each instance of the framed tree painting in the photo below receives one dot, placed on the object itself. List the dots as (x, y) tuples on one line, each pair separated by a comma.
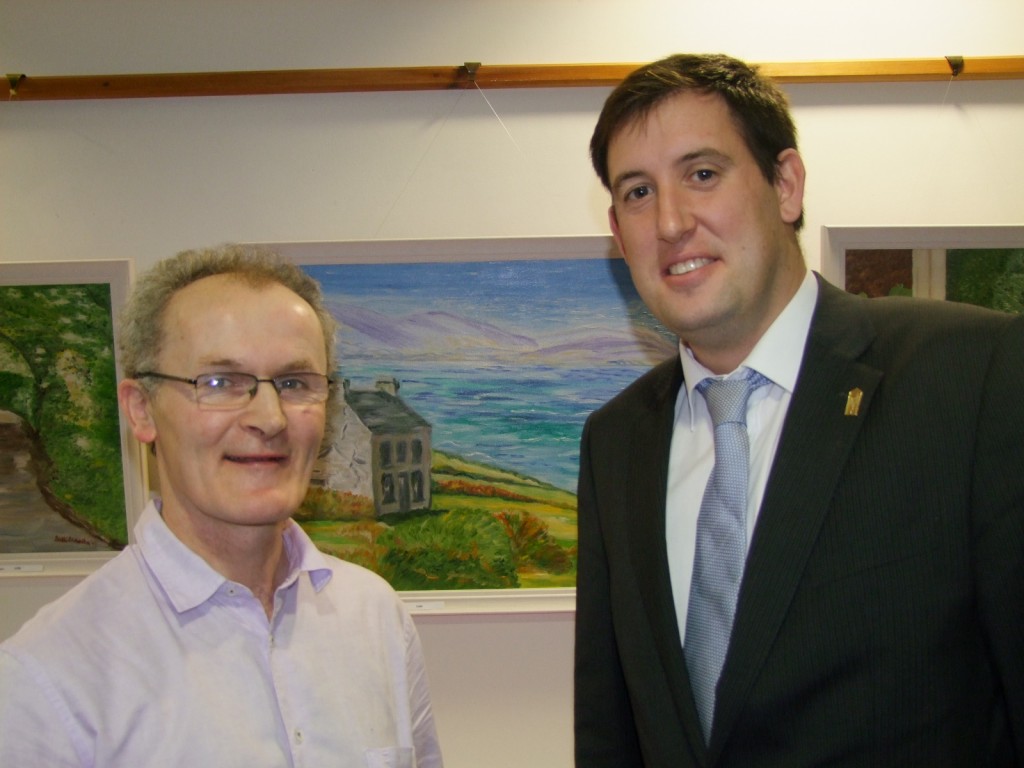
[(71, 478), (467, 369)]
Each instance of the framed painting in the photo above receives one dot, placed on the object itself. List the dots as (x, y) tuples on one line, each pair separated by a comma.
[(467, 369), (931, 262), (71, 477)]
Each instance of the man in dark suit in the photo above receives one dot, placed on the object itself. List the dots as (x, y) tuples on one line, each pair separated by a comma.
[(878, 614)]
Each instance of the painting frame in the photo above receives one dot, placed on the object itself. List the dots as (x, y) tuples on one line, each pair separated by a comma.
[(117, 274), (490, 249), (836, 240)]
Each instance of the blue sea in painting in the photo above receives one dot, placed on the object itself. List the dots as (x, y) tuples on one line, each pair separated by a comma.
[(527, 419), (504, 359)]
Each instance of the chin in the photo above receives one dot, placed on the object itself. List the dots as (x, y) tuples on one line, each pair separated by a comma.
[(264, 509)]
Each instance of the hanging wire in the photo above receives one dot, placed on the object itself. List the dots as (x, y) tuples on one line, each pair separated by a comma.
[(417, 164)]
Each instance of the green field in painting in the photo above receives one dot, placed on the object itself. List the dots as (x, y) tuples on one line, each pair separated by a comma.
[(488, 528)]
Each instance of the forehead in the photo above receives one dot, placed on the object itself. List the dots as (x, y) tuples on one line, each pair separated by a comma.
[(682, 117), (224, 317)]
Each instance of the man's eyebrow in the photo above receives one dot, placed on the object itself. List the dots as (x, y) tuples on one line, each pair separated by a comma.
[(624, 177), (222, 363), (231, 364), (705, 153)]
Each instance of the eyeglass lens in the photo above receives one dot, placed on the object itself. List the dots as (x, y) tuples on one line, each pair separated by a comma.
[(221, 390)]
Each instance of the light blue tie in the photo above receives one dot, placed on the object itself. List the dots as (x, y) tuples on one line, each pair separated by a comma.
[(721, 540)]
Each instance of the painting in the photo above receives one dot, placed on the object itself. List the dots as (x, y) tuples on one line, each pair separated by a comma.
[(467, 369), (70, 475), (977, 264)]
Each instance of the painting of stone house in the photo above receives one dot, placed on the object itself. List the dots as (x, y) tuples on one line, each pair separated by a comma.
[(380, 449)]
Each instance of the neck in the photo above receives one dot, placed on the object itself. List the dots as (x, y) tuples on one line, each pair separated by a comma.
[(723, 348), (251, 555)]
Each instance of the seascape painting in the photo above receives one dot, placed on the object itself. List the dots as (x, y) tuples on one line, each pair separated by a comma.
[(62, 482), (453, 460)]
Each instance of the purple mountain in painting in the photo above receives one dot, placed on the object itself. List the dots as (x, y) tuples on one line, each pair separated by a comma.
[(446, 336), (423, 330)]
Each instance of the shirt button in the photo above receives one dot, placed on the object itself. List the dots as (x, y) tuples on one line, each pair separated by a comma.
[(298, 736)]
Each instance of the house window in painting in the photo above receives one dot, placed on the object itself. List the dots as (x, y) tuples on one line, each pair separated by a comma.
[(416, 478), (385, 453), (387, 487), (417, 451), (400, 451)]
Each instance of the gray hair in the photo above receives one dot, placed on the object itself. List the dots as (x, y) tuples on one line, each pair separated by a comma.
[(141, 321)]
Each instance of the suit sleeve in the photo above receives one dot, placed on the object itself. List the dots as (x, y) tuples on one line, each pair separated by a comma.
[(998, 520), (605, 733)]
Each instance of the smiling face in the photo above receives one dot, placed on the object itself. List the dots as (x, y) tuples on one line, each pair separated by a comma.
[(244, 467), (709, 241)]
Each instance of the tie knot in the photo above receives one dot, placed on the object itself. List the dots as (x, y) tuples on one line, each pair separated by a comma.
[(727, 398)]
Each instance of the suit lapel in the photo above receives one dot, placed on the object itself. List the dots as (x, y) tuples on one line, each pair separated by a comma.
[(650, 442), (815, 443)]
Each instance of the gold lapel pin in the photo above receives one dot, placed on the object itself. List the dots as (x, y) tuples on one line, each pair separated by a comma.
[(853, 398)]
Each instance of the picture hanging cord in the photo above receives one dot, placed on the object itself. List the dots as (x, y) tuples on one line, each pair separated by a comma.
[(956, 66), (417, 164), (500, 121), (471, 69)]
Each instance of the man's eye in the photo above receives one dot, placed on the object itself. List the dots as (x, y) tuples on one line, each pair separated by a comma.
[(704, 174), (638, 193), (220, 382), (291, 383)]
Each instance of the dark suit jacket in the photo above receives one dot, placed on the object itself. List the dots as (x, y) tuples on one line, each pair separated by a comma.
[(881, 616)]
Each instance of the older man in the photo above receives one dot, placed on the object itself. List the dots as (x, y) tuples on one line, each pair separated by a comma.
[(222, 636)]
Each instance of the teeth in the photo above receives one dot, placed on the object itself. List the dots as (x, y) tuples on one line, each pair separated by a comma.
[(684, 267)]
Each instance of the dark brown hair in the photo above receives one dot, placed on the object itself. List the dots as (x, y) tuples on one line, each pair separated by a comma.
[(758, 107)]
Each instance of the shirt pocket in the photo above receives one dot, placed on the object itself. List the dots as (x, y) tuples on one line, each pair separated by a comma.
[(389, 757)]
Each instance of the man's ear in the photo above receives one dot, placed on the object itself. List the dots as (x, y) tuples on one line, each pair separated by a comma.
[(135, 405), (613, 224), (789, 185)]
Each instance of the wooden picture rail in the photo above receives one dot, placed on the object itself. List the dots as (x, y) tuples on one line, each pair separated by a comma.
[(137, 86)]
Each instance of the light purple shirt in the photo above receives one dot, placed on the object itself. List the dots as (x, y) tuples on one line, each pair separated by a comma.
[(157, 659)]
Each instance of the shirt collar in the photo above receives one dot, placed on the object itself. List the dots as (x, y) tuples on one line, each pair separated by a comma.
[(304, 557), (189, 581), (777, 354)]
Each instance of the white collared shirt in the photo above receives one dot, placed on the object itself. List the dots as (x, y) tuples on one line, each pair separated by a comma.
[(777, 356), (157, 659)]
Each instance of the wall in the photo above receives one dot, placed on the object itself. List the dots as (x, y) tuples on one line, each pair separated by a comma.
[(144, 179)]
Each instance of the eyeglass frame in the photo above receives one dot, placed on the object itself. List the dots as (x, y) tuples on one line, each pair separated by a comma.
[(205, 405)]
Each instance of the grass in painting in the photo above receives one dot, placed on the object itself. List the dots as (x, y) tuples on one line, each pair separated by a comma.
[(987, 277), (488, 528)]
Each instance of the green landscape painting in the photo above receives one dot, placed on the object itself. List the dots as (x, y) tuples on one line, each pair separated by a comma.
[(987, 277), (61, 473)]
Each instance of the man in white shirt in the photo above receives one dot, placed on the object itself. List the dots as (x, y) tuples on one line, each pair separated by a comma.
[(222, 636)]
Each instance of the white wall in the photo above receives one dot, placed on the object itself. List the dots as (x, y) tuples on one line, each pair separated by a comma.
[(144, 179)]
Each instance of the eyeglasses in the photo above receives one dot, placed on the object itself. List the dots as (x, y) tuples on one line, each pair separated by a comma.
[(227, 391)]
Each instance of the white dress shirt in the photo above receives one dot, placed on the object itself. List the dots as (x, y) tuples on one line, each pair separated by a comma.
[(157, 659), (777, 356)]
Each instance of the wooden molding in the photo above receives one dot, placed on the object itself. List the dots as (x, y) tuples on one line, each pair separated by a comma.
[(23, 87)]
